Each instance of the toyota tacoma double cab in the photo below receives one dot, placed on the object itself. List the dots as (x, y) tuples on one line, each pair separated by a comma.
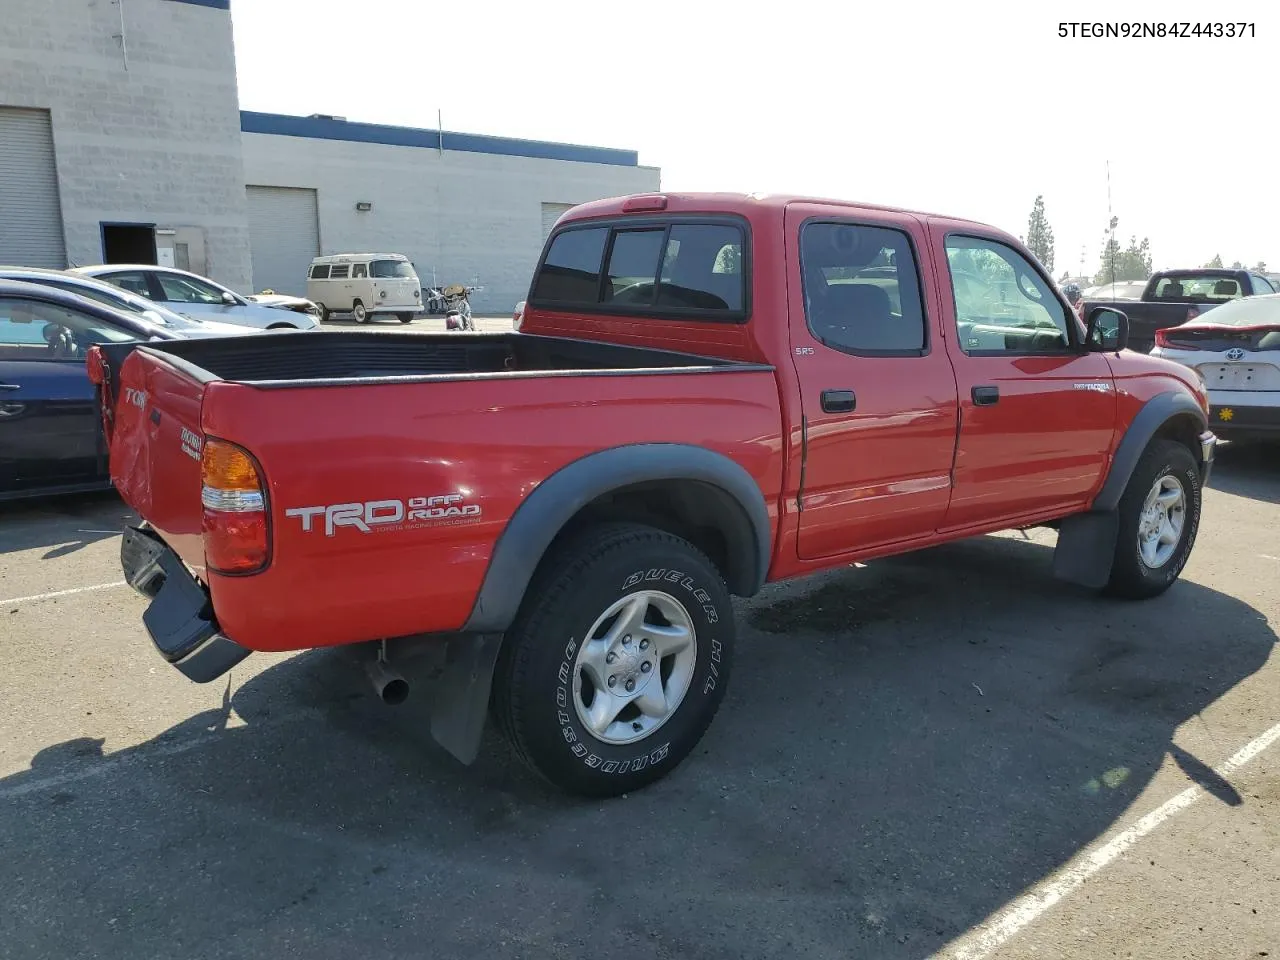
[(704, 393)]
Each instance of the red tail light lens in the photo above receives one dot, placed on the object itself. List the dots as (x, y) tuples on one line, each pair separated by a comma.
[(236, 534), (1162, 338)]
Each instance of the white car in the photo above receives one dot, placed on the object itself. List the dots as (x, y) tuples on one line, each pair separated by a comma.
[(197, 297), (124, 301), (1236, 351)]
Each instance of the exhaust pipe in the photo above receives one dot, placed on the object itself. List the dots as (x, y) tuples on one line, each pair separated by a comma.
[(391, 688)]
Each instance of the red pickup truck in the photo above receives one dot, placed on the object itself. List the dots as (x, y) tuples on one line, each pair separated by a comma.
[(704, 393)]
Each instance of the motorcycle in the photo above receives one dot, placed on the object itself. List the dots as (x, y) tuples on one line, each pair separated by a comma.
[(458, 307)]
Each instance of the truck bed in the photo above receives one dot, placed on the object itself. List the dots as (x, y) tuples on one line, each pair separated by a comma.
[(296, 360)]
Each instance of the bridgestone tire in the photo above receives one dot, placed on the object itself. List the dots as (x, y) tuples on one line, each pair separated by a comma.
[(1131, 578), (533, 687)]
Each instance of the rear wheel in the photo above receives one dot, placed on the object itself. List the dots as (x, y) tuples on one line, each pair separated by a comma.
[(323, 316), (1159, 518), (359, 312), (617, 661), (405, 317)]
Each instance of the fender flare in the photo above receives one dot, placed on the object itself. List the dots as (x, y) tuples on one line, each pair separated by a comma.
[(1155, 413), (556, 500)]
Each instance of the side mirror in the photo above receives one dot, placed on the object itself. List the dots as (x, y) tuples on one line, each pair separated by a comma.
[(230, 299), (1106, 330)]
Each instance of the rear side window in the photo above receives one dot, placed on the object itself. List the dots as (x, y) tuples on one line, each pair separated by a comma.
[(862, 289), (320, 271), (677, 269), (359, 270), (338, 271)]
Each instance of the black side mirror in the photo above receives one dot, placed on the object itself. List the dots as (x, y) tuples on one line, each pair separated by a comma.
[(1106, 330)]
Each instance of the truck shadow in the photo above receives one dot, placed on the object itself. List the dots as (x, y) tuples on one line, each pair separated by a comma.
[(62, 524), (904, 749), (1248, 469)]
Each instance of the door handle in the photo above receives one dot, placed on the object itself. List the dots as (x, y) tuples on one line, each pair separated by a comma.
[(838, 401), (985, 396), (10, 386)]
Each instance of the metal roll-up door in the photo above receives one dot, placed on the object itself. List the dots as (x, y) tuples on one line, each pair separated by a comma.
[(551, 212), (284, 233), (30, 209)]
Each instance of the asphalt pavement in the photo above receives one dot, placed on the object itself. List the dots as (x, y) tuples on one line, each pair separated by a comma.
[(945, 754)]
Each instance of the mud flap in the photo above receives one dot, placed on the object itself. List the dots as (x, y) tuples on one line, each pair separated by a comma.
[(1086, 548), (461, 701)]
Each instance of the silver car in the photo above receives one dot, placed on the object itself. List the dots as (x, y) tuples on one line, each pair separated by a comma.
[(197, 297)]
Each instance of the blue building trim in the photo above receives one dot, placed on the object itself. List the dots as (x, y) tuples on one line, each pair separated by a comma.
[(318, 128), (215, 4)]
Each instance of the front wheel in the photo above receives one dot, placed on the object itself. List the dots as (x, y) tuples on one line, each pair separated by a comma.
[(1159, 517), (405, 317), (617, 661)]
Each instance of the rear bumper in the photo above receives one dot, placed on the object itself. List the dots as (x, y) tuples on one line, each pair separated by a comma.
[(179, 618), (1235, 419)]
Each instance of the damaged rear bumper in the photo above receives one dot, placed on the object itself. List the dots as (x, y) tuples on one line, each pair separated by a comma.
[(179, 618)]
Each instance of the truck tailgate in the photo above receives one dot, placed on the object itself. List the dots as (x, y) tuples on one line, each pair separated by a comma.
[(155, 450)]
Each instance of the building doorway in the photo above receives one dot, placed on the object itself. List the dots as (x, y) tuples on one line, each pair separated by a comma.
[(129, 243)]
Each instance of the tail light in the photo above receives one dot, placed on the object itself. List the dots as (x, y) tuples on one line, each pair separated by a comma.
[(1162, 340), (236, 535)]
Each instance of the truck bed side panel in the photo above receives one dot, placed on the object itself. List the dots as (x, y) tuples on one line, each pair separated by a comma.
[(386, 500)]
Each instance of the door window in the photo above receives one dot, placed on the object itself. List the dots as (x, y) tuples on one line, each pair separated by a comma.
[(359, 271), (1003, 305), (188, 289), (862, 289), (135, 281), (35, 330)]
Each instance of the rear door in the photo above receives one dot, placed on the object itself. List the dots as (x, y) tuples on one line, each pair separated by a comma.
[(1037, 413), (878, 393)]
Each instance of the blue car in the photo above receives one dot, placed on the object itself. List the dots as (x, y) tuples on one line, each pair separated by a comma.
[(51, 438)]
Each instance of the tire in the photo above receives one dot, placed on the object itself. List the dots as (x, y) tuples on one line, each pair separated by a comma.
[(543, 685), (324, 313), (359, 312), (1138, 572), (405, 317)]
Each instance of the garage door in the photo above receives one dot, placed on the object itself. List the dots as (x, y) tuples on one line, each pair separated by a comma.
[(285, 235), (31, 224), (551, 212)]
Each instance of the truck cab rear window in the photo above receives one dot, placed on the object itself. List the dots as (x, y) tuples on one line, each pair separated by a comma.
[(658, 269)]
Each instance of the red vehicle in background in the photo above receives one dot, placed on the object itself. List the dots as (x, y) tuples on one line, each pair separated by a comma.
[(705, 393)]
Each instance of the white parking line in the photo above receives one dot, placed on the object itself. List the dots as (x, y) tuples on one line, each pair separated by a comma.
[(61, 593), (990, 936)]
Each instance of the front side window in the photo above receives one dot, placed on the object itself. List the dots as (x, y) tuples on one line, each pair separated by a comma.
[(35, 330), (673, 268), (862, 289), (388, 269), (1262, 285), (1002, 303), (188, 289)]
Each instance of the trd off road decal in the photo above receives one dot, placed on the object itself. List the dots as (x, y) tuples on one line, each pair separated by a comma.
[(384, 516)]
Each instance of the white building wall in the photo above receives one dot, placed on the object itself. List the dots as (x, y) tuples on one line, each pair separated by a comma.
[(472, 217), (147, 130)]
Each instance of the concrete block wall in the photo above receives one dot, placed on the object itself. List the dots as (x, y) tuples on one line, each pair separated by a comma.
[(470, 216), (147, 130)]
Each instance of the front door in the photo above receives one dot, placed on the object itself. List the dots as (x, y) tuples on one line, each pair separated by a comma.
[(49, 430), (1037, 412), (878, 394)]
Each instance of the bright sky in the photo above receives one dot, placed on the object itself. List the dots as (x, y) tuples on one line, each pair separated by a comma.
[(961, 108)]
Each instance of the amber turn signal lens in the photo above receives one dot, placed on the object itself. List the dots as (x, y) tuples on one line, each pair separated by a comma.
[(224, 466)]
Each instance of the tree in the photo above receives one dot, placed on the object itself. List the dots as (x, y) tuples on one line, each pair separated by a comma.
[(1260, 267), (1039, 238), (1131, 263), (1216, 262), (1237, 265)]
